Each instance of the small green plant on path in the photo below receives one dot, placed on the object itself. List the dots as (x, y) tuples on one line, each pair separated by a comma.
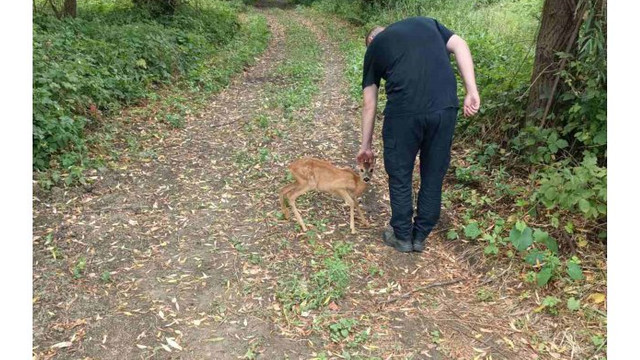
[(342, 329)]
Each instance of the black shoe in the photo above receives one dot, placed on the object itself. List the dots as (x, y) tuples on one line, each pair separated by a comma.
[(418, 245), (390, 239)]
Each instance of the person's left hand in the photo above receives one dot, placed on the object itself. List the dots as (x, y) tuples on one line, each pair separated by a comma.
[(471, 104), (365, 155)]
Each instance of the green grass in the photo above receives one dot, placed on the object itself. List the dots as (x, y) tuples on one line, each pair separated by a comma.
[(326, 281), (302, 67)]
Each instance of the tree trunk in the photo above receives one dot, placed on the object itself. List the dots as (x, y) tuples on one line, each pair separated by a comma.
[(70, 8), (561, 20)]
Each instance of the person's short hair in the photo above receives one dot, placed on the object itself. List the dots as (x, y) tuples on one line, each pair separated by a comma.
[(372, 33)]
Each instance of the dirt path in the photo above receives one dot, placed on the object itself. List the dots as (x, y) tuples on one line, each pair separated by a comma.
[(186, 257)]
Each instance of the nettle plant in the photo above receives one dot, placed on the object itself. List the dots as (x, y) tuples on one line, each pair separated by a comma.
[(539, 145), (536, 247), (342, 329), (580, 189), (540, 251), (493, 238)]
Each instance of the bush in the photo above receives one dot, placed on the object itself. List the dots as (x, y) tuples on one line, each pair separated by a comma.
[(109, 57), (579, 189)]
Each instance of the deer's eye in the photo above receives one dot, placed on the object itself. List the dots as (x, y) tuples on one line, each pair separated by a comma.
[(361, 170)]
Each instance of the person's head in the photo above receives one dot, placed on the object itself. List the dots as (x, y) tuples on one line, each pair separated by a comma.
[(372, 34)]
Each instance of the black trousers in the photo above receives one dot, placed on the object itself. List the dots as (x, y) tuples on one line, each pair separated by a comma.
[(404, 137)]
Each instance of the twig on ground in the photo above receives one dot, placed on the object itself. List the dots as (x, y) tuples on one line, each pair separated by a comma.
[(491, 279), (118, 208), (231, 122), (422, 288)]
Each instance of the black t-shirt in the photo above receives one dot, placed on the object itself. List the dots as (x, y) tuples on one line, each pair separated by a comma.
[(412, 57)]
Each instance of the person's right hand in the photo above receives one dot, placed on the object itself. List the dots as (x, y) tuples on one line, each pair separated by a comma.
[(471, 104), (365, 155)]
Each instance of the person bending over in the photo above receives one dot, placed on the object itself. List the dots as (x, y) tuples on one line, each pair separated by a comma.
[(412, 55)]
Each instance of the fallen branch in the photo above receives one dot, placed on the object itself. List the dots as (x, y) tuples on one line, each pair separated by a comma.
[(422, 288)]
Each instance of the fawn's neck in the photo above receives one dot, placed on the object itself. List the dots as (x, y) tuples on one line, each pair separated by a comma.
[(361, 186)]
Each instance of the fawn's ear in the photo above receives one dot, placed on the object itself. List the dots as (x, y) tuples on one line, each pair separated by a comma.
[(372, 164)]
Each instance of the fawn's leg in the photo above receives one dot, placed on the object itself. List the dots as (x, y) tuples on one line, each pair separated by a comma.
[(285, 190), (361, 214), (292, 196), (349, 200)]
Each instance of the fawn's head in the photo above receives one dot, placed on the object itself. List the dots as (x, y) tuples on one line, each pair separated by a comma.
[(365, 170)]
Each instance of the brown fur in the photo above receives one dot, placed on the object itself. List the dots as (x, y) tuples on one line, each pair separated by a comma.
[(321, 175)]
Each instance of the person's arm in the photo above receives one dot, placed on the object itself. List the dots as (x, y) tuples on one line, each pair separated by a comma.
[(460, 49), (370, 94)]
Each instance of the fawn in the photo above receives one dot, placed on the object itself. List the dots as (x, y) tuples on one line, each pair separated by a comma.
[(321, 175)]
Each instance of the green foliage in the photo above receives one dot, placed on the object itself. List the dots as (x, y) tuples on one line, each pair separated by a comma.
[(542, 237), (544, 275), (109, 57), (360, 338), (78, 268), (540, 251), (573, 304), (375, 270), (536, 247), (469, 175), (573, 269), (521, 236), (585, 80), (436, 336), (354, 11), (340, 330), (538, 146), (105, 276), (598, 340), (472, 231), (333, 280), (342, 249), (485, 294), (578, 189), (549, 304), (302, 2), (159, 7), (329, 282), (452, 235)]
